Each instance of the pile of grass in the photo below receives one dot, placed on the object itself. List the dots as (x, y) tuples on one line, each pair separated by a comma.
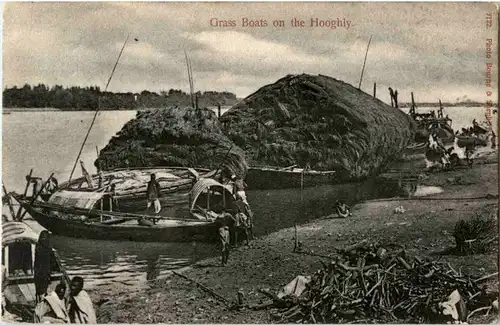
[(173, 137), (475, 236), (320, 121)]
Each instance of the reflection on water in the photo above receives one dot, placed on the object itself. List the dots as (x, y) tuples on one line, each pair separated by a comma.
[(132, 264)]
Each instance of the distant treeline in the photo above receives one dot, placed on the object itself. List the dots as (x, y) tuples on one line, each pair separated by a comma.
[(458, 104), (89, 98)]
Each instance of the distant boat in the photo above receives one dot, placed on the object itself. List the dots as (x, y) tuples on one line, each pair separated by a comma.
[(18, 258), (266, 178), (192, 202)]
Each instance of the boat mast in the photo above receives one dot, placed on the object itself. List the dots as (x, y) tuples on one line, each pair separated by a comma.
[(364, 62), (97, 110)]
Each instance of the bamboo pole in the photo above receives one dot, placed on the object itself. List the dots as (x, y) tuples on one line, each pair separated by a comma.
[(24, 193), (97, 110), (205, 288), (364, 62), (37, 195)]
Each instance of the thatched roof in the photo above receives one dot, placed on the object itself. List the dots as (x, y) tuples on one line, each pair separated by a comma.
[(321, 121), (172, 137)]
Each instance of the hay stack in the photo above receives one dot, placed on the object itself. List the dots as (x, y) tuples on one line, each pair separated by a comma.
[(321, 121), (172, 137)]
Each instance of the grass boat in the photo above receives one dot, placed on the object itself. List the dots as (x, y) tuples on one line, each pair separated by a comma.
[(112, 206)]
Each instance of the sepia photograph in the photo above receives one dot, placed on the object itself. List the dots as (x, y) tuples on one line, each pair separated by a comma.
[(250, 162)]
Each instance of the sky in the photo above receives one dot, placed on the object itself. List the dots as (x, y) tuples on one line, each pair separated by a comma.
[(436, 50)]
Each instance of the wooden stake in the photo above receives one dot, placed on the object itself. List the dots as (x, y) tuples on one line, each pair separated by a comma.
[(375, 89), (296, 246)]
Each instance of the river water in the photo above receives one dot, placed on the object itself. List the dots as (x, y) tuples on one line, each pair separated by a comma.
[(49, 142)]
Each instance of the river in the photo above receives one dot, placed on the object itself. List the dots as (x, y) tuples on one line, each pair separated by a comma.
[(49, 141)]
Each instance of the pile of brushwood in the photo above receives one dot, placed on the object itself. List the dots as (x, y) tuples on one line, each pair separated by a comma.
[(475, 236), (321, 122), (175, 136), (368, 283)]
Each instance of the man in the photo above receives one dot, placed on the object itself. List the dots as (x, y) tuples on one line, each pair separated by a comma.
[(36, 182), (153, 193), (224, 240), (52, 308), (343, 211), (81, 310), (43, 256), (239, 189)]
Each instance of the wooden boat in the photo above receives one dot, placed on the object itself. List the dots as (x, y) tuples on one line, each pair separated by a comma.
[(266, 178), (115, 208), (18, 259)]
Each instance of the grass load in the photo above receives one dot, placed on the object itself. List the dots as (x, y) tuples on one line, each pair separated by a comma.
[(320, 121), (173, 136)]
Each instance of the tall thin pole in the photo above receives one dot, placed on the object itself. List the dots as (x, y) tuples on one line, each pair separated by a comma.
[(97, 110), (188, 65), (363, 70)]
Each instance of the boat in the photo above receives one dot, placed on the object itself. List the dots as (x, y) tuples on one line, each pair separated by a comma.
[(266, 178), (111, 206), (429, 123), (18, 259)]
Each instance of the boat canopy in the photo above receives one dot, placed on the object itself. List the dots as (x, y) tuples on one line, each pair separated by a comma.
[(84, 200), (202, 185), (13, 231)]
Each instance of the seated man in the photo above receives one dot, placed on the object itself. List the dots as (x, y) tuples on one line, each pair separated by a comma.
[(81, 310), (343, 210), (52, 308)]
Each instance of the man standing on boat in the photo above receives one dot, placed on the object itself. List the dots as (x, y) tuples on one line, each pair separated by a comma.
[(153, 193), (81, 310)]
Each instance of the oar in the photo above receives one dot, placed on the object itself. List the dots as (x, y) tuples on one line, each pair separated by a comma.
[(24, 194), (37, 195)]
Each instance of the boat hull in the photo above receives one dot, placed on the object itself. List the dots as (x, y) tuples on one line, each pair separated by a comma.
[(204, 232), (270, 179)]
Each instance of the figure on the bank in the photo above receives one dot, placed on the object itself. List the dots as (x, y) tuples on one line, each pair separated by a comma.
[(43, 256), (241, 225), (81, 310), (52, 309), (153, 193), (224, 239), (342, 209)]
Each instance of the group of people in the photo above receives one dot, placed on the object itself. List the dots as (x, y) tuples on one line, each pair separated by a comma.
[(56, 308)]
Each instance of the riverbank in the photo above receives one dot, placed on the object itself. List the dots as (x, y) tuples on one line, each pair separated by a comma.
[(425, 229)]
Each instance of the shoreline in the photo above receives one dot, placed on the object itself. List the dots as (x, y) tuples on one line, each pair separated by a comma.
[(269, 262)]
